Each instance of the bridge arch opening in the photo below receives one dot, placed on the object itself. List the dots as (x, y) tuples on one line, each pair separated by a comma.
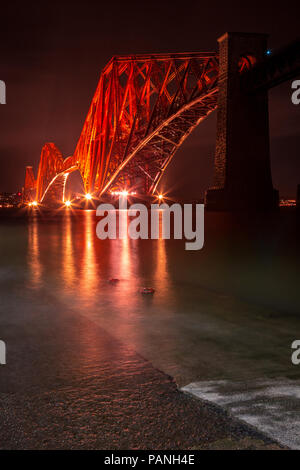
[(74, 185), (55, 192), (190, 173)]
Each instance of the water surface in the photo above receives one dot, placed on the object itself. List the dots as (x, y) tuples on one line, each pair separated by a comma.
[(230, 310)]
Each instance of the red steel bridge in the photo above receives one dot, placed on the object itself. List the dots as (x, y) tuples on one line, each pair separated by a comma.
[(143, 109)]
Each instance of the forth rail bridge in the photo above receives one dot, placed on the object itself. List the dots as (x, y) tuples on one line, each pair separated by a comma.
[(145, 106)]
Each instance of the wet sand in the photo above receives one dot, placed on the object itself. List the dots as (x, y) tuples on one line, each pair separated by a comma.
[(68, 384)]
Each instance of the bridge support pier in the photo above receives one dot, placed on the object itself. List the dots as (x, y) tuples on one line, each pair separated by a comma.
[(242, 177)]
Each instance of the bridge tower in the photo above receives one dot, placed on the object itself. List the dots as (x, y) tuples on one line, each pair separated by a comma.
[(29, 189), (242, 178)]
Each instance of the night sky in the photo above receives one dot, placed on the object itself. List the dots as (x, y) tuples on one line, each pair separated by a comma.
[(52, 55)]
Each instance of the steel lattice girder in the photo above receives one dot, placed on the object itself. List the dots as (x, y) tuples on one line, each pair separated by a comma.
[(143, 109), (51, 165), (29, 185), (279, 67)]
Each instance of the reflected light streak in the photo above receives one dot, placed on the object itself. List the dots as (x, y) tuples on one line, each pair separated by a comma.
[(88, 275), (68, 268), (123, 265), (34, 262)]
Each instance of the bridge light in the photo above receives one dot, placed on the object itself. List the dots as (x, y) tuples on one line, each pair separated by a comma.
[(124, 193), (88, 196), (29, 204), (160, 196), (68, 203), (34, 203)]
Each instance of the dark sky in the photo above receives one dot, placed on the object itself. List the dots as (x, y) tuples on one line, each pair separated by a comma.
[(52, 55)]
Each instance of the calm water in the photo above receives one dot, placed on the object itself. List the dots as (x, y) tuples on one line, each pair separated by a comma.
[(229, 310)]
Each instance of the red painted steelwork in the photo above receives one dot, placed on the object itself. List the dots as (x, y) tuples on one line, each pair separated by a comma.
[(143, 109)]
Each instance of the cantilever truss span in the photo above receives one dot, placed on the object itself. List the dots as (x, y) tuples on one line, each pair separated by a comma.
[(143, 109), (52, 174)]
